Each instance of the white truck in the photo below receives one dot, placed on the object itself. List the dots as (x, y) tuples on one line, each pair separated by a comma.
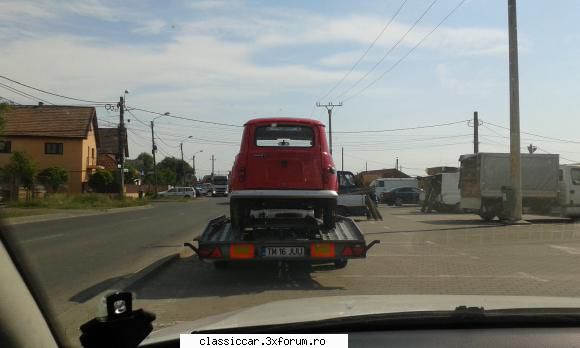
[(485, 179), (569, 197), (444, 195), (381, 185)]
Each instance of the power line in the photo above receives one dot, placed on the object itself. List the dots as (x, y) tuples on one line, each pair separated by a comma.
[(402, 141), (535, 135), (366, 51), (389, 51), (401, 129), (23, 94), (392, 67), (562, 157), (54, 94), (137, 118), (411, 148), (186, 118)]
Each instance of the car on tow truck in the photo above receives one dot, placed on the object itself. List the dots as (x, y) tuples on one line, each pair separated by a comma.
[(283, 201)]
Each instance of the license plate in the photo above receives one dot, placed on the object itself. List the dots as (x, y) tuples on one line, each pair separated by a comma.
[(282, 252)]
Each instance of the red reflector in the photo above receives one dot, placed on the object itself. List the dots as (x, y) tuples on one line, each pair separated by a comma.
[(347, 251), (242, 251), (216, 253), (242, 174), (358, 251), (204, 252), (322, 250)]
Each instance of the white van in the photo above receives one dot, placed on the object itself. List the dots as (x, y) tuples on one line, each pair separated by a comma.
[(385, 184)]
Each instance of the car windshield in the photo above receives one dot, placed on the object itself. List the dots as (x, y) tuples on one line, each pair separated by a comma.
[(462, 144)]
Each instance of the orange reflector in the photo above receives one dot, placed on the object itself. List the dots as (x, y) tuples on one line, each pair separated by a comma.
[(322, 250), (216, 253), (242, 251), (347, 251)]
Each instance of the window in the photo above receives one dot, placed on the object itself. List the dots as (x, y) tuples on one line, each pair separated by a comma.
[(53, 148), (93, 153), (284, 136), (381, 183), (172, 190), (5, 146), (575, 176)]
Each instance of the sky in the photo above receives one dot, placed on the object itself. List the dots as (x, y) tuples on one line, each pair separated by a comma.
[(230, 61)]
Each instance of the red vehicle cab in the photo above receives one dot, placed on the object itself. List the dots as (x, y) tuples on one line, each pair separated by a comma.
[(283, 163)]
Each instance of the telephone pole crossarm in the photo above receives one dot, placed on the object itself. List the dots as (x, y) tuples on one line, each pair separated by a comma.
[(329, 106)]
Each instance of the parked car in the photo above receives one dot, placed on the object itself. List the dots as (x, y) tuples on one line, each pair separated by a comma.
[(401, 195), (186, 192), (283, 163), (200, 190)]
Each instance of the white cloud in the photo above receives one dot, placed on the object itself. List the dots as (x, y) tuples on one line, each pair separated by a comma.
[(478, 84), (206, 5), (154, 26)]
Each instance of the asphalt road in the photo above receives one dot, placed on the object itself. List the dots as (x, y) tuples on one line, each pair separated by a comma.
[(78, 258)]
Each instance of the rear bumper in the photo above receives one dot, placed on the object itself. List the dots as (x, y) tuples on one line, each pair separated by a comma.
[(310, 194)]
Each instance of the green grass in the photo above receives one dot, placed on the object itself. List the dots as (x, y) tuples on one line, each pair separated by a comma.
[(82, 201)]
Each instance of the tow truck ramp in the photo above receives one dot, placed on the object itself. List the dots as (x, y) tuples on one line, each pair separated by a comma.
[(283, 240)]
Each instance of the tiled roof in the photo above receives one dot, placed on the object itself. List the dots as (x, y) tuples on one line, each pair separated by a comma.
[(49, 121), (109, 141)]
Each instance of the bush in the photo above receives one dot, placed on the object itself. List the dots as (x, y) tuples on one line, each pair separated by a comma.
[(53, 178), (101, 181)]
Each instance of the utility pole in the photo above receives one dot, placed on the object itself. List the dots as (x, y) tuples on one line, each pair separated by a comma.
[(516, 169), (153, 150), (182, 166), (475, 132), (366, 166), (329, 108), (342, 160), (212, 164), (122, 147), (397, 164)]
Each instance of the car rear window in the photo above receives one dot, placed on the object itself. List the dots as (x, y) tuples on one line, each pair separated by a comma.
[(284, 136)]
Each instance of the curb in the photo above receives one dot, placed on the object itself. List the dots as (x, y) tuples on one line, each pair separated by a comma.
[(133, 280), (68, 215)]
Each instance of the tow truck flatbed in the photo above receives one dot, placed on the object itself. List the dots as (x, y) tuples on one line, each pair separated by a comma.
[(281, 240)]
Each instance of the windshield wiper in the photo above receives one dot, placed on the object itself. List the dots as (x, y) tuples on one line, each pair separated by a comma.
[(462, 317)]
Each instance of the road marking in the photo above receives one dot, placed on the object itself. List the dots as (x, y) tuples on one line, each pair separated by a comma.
[(519, 275), (569, 250), (468, 255), (415, 255), (430, 242), (529, 276), (387, 227), (43, 238)]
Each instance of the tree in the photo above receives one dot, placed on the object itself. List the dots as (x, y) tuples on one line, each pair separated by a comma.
[(142, 164), (53, 178), (166, 176), (20, 171), (101, 181), (177, 166)]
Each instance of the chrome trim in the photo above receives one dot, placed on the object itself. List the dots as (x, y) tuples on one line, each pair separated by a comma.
[(284, 194)]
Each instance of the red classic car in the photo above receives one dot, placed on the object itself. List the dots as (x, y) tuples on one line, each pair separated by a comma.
[(283, 164)]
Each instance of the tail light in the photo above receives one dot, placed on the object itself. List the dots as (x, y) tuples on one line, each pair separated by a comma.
[(214, 253), (356, 251), (327, 174), (242, 174), (322, 250), (347, 251)]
